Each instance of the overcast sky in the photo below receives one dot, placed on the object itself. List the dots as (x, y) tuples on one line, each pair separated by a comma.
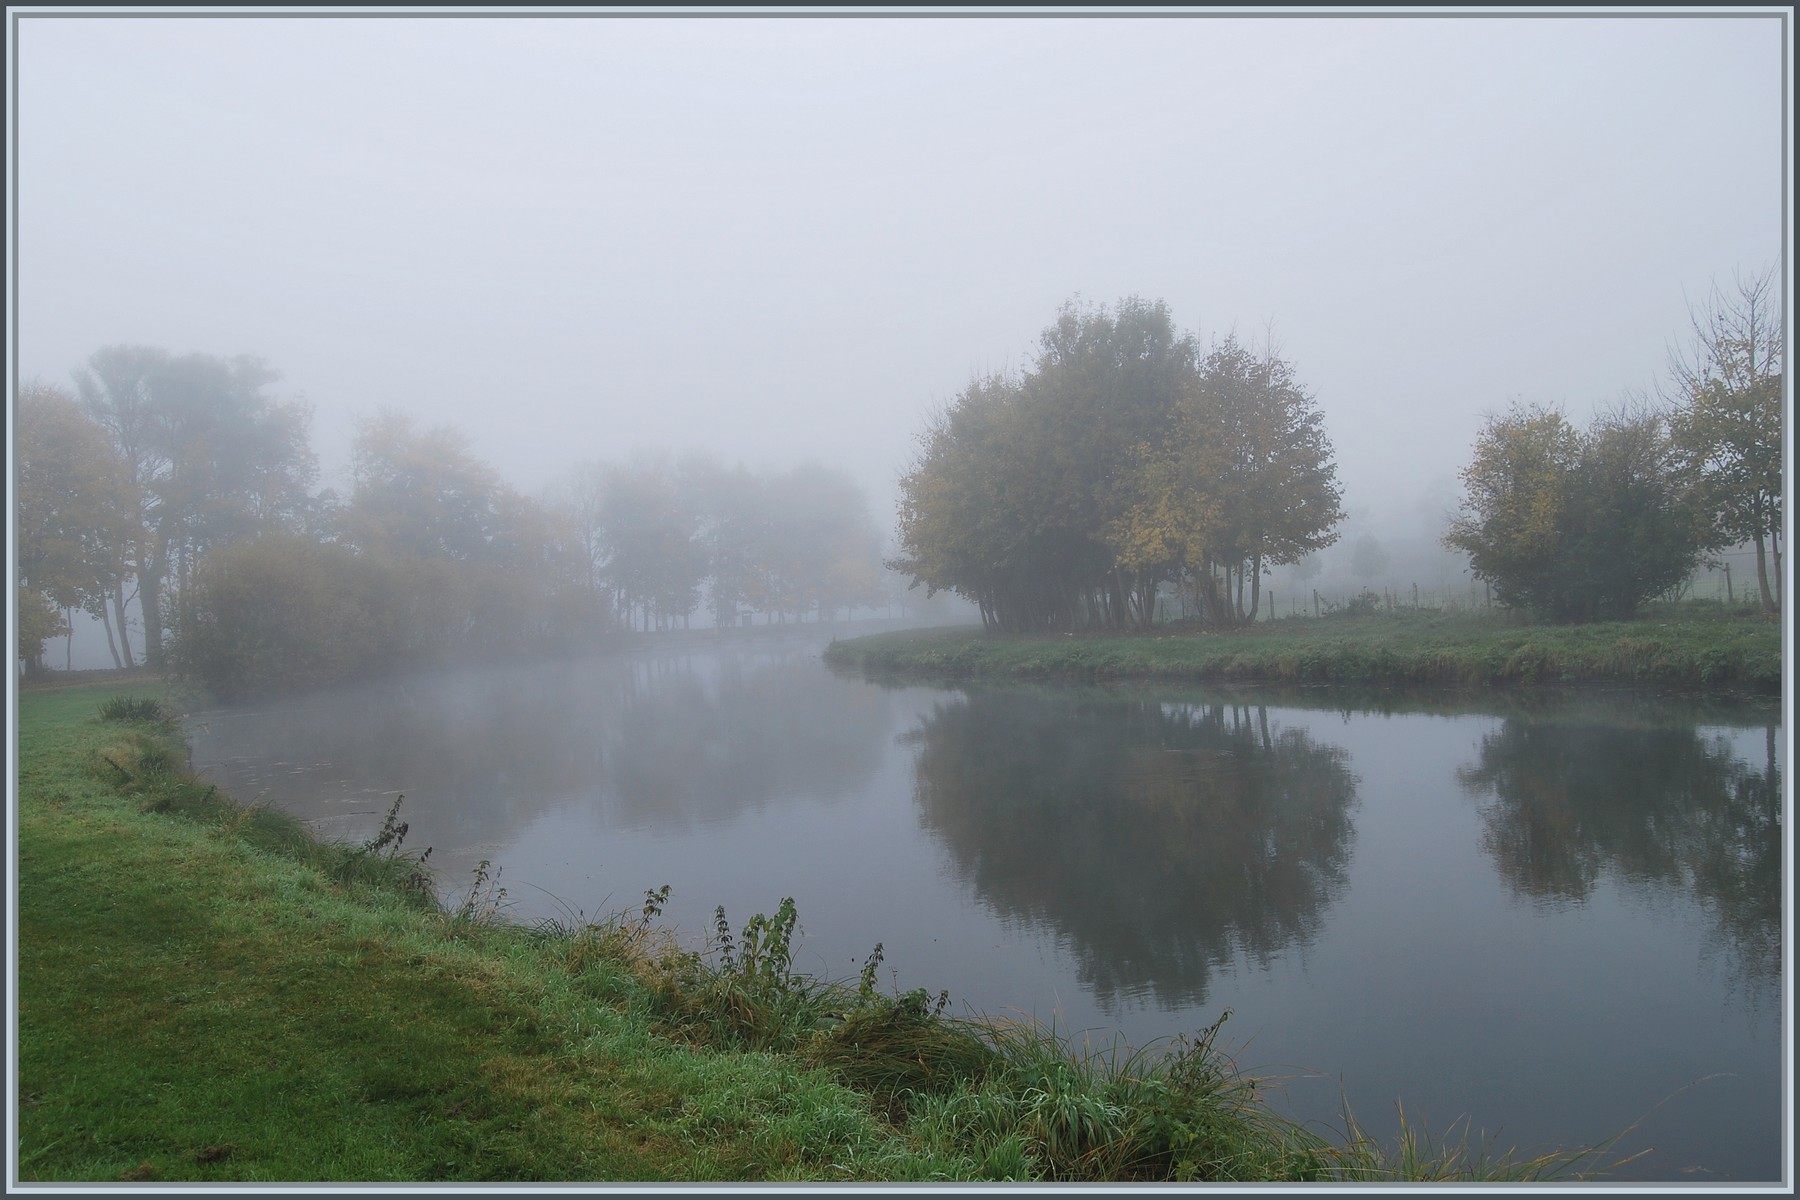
[(774, 239)]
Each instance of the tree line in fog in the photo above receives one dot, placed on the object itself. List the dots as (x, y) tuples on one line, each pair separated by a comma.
[(175, 495), (1129, 458)]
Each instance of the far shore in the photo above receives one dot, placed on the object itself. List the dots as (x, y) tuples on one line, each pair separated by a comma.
[(1692, 646)]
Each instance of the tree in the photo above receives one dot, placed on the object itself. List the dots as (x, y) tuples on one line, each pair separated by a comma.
[(652, 556), (419, 492), (38, 623), (284, 611), (818, 549), (732, 507), (1258, 434), (1636, 531), (209, 456), (580, 497), (1512, 521), (74, 509), (1122, 460), (487, 570), (1725, 398), (1027, 496), (1574, 526)]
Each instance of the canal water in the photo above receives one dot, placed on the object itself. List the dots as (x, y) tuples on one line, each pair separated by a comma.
[(1537, 919)]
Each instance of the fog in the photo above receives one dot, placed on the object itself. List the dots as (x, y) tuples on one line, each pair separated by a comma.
[(783, 239)]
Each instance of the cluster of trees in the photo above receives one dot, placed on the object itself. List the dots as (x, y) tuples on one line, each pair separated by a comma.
[(179, 487), (431, 559), (1579, 525), (123, 491), (1126, 457), (661, 538)]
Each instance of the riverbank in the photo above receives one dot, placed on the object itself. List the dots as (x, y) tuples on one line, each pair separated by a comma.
[(208, 994), (1699, 647)]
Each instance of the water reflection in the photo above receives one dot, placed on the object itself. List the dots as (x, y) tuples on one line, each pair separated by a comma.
[(1659, 807), (1160, 840), (663, 743), (1139, 858)]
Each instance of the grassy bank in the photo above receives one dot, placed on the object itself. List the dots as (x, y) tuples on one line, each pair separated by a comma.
[(205, 993), (1689, 646)]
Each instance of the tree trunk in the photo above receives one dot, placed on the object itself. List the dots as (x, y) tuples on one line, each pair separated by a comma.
[(1775, 549), (1255, 585), (150, 603), (106, 623), (1762, 577), (124, 634)]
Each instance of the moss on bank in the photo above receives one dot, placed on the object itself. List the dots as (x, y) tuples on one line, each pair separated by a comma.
[(1692, 646), (208, 994)]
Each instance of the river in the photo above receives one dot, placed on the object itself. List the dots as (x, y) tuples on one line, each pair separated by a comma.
[(1538, 918)]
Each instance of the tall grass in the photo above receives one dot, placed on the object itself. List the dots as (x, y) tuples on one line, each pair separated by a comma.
[(134, 709)]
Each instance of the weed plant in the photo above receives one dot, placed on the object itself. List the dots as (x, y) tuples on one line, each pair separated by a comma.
[(143, 710)]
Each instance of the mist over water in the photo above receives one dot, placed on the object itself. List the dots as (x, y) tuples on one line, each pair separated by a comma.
[(1546, 914)]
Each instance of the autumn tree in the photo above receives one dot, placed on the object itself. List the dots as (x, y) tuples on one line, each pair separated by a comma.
[(1576, 526), (38, 623), (73, 507), (1121, 461), (1026, 497), (1258, 448), (1725, 398), (966, 524)]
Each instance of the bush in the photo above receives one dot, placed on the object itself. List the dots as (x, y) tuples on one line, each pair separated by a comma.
[(285, 611), (1577, 526)]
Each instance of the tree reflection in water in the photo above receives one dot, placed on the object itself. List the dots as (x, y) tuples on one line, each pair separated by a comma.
[(1661, 809), (660, 742), (1160, 840)]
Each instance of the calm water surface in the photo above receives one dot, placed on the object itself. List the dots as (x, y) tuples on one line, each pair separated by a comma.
[(1550, 917)]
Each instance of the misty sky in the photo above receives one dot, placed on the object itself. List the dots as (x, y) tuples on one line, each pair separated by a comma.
[(773, 239)]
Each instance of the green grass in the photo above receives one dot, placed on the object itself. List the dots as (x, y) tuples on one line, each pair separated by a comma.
[(1688, 646), (205, 993)]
